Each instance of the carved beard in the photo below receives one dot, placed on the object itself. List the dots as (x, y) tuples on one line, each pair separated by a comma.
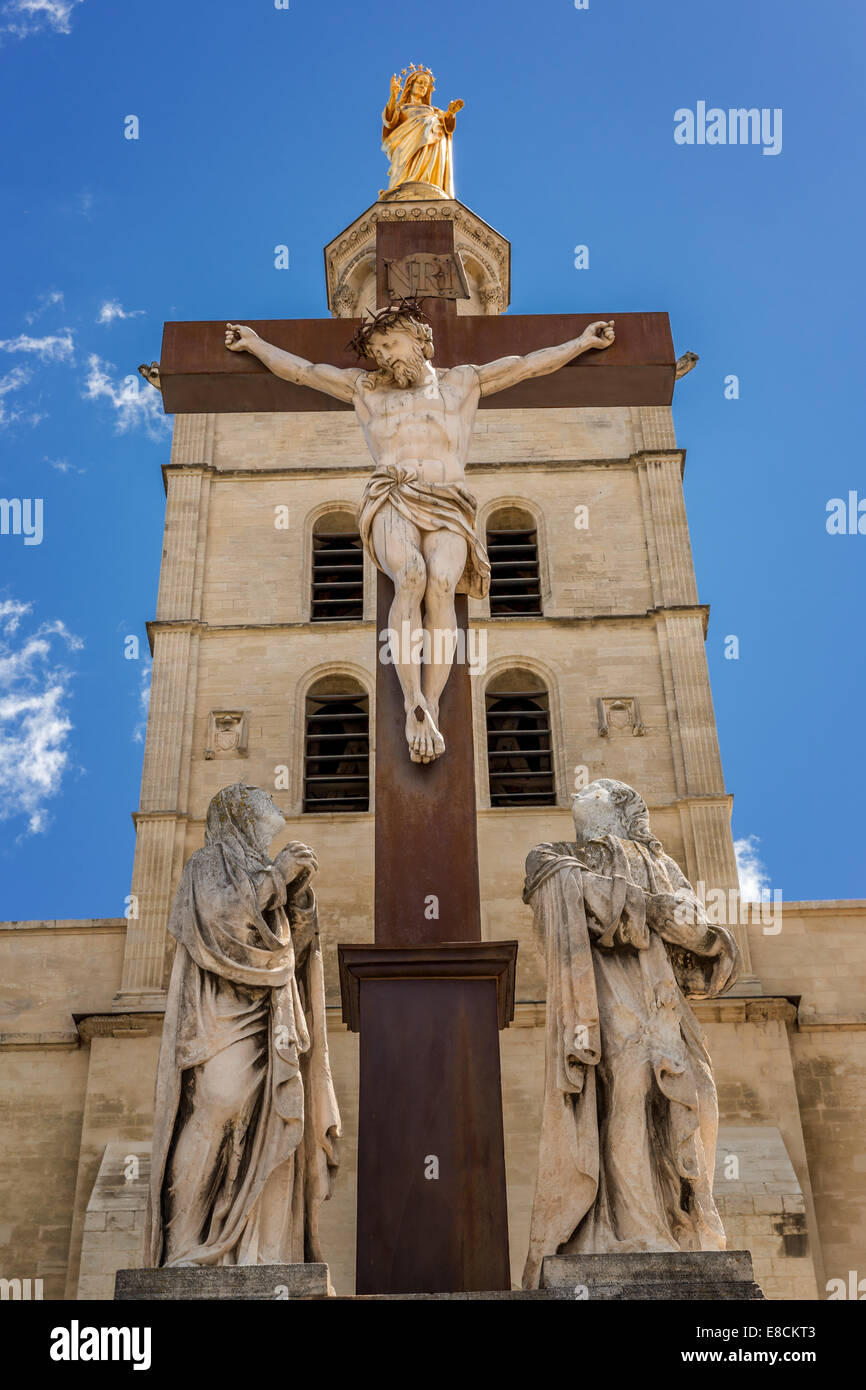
[(403, 373)]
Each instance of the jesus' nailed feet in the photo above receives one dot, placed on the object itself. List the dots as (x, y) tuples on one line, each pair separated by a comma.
[(423, 737)]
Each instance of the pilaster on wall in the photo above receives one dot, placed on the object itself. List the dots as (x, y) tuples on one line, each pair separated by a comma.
[(180, 582), (672, 571), (706, 832), (656, 426), (712, 864), (691, 702), (705, 807), (192, 439), (697, 759), (158, 862), (163, 806)]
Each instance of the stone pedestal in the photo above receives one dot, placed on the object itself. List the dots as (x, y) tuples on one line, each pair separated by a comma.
[(702, 1275), (353, 275), (432, 1213), (236, 1282), (689, 1276)]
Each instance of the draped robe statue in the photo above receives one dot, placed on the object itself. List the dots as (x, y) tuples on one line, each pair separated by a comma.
[(416, 136), (246, 1120), (628, 1136)]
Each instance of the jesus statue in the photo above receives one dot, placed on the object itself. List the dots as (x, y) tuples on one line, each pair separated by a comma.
[(417, 518)]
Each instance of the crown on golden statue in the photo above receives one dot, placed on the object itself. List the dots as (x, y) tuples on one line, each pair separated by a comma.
[(415, 70)]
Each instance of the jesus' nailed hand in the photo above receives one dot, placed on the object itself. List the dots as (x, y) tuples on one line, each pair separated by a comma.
[(417, 520)]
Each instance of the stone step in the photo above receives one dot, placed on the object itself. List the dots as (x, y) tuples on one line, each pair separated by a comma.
[(677, 1274), (680, 1276), (253, 1282)]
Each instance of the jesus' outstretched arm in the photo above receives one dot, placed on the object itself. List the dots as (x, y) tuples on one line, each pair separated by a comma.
[(507, 371), (334, 381)]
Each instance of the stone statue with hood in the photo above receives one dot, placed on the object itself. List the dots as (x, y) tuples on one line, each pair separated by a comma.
[(246, 1122)]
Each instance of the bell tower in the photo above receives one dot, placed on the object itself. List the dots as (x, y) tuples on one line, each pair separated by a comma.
[(593, 661)]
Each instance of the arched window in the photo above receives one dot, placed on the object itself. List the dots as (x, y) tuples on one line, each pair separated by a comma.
[(337, 746), (519, 749), (338, 569), (512, 544)]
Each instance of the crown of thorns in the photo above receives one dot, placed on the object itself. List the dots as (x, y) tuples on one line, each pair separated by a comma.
[(380, 322)]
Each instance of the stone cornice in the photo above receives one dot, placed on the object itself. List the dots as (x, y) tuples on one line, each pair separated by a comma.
[(131, 1025), (53, 1040), (760, 1009), (680, 803), (363, 469), (643, 456), (483, 812), (565, 620), (531, 1013), (834, 906), (830, 1023), (70, 926)]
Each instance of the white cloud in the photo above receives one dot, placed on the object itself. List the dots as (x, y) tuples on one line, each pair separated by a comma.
[(134, 402), (145, 677), (50, 300), (54, 347), (751, 870), (34, 723), (11, 613), (12, 381), (64, 466), (25, 17), (112, 309), (17, 377)]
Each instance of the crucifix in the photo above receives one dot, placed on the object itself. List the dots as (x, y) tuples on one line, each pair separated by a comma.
[(429, 994), (417, 519)]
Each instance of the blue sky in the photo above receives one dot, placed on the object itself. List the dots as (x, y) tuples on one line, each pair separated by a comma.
[(260, 126)]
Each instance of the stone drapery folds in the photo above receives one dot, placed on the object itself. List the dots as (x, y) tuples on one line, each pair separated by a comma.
[(628, 1136), (246, 1120)]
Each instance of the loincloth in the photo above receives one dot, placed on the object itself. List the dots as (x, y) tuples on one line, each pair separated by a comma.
[(430, 507)]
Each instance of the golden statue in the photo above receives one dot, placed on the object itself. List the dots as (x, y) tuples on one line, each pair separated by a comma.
[(416, 137)]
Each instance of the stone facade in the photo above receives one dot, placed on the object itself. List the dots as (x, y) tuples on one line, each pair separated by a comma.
[(232, 634)]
